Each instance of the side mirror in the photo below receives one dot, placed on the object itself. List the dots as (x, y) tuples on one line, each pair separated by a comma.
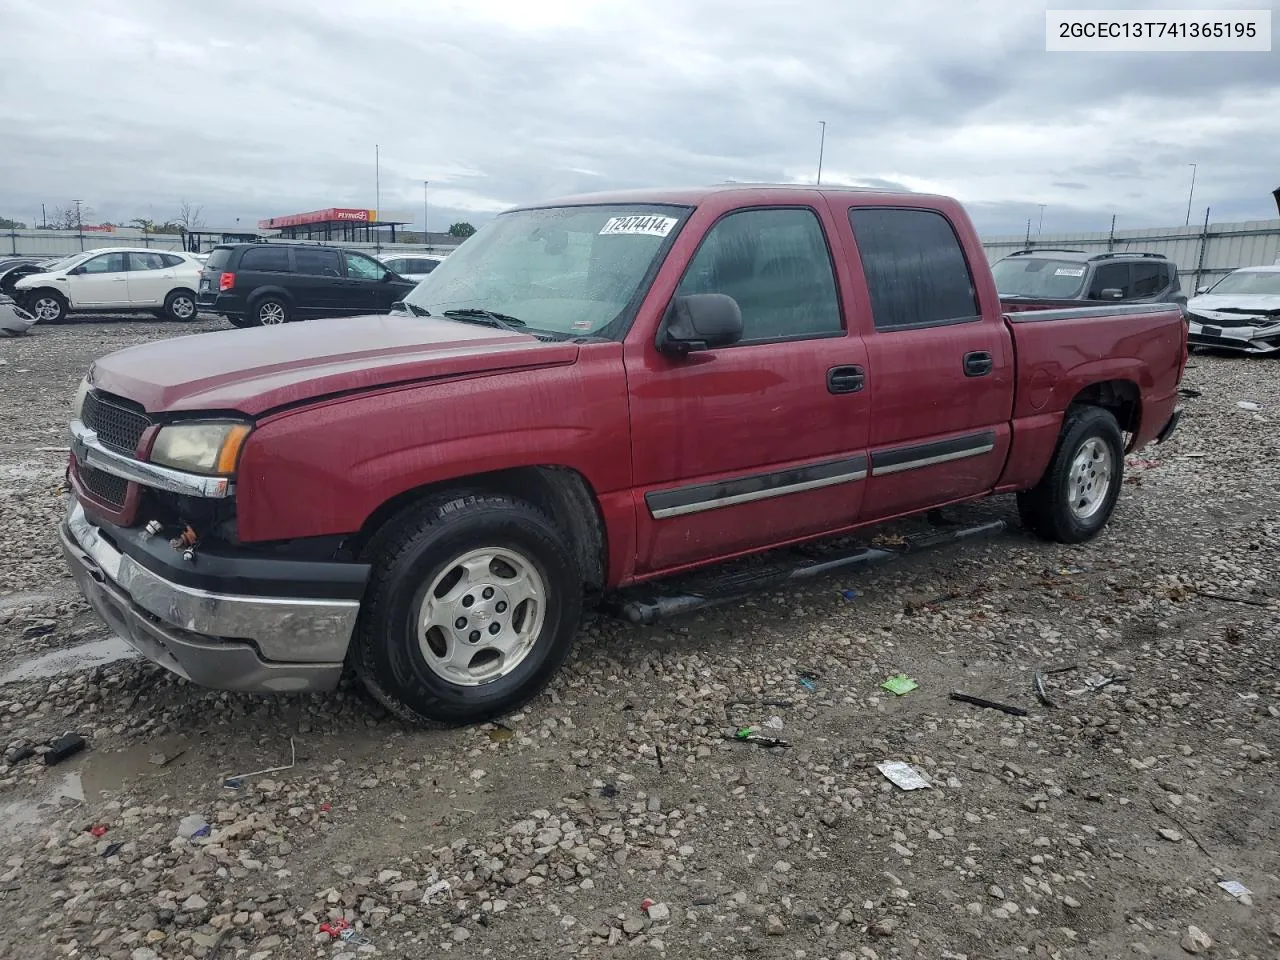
[(1203, 288), (700, 321), (1113, 293), (75, 271)]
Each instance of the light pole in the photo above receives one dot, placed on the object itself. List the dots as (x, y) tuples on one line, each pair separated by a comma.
[(1191, 193), (426, 236), (1040, 228), (377, 196), (822, 143), (79, 222)]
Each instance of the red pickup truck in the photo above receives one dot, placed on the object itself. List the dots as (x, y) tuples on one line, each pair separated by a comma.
[(588, 394)]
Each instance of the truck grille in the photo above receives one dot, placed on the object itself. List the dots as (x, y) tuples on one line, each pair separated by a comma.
[(106, 487), (117, 426)]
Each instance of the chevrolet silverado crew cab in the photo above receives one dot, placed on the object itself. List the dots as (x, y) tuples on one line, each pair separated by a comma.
[(588, 394)]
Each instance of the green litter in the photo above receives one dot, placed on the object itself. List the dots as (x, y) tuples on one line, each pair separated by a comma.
[(899, 684)]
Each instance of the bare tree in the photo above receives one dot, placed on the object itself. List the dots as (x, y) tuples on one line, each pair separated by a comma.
[(189, 217), (68, 218)]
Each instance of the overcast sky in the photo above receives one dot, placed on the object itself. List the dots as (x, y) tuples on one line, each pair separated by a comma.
[(253, 108)]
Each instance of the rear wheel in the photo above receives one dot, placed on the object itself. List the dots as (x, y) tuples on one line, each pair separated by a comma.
[(472, 607), (269, 312), (1078, 493), (180, 305), (49, 306)]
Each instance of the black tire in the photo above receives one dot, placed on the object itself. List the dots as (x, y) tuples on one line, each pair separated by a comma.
[(48, 305), (268, 311), (414, 550), (1047, 509), (238, 320), (180, 306)]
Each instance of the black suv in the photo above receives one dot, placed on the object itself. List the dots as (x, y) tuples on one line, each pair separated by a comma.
[(260, 284), (1043, 279)]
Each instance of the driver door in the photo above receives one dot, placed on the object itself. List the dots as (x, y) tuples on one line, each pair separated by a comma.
[(365, 289), (101, 281)]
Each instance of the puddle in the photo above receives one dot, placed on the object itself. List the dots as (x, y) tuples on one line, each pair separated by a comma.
[(66, 791), (58, 663)]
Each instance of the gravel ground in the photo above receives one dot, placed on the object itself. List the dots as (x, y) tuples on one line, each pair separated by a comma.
[(1097, 828)]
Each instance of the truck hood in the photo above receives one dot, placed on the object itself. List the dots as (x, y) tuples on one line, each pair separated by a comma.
[(258, 369), (1227, 306)]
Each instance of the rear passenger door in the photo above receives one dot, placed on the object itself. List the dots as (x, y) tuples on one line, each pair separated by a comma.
[(263, 265), (319, 285), (940, 374), (150, 279)]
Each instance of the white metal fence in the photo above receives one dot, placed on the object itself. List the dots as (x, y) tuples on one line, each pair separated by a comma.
[(1202, 253), (61, 243)]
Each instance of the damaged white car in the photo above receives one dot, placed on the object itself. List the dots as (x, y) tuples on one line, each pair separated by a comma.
[(1240, 312)]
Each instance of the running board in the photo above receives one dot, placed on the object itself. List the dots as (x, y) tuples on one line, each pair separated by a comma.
[(714, 591)]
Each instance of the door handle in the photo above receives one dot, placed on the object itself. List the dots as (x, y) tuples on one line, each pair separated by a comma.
[(978, 364), (849, 379), (119, 279)]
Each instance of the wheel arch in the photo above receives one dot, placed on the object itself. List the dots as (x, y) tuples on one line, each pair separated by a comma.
[(563, 493), (1121, 398)]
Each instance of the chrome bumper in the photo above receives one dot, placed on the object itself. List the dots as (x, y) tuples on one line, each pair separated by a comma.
[(90, 451), (223, 641)]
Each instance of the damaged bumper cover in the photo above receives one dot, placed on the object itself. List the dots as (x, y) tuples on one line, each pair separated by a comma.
[(1245, 334), (14, 320), (221, 622)]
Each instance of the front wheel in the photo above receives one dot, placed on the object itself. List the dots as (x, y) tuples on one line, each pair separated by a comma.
[(1078, 493), (471, 609), (49, 306)]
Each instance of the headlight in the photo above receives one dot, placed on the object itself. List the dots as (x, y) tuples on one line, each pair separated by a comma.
[(211, 447), (77, 402)]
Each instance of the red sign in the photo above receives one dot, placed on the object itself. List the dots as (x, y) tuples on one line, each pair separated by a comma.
[(329, 215), (98, 228)]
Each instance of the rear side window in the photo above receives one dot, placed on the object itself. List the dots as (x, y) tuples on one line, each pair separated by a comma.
[(775, 264), (171, 260), (424, 266), (916, 271), (218, 259), (1149, 279), (146, 261), (267, 259), (317, 263)]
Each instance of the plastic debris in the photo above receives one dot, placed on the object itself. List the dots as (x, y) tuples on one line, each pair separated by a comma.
[(850, 594), (904, 775), (1235, 888), (501, 733), (899, 684), (807, 683), (64, 747), (98, 830), (334, 928), (193, 827), (774, 723), (437, 888), (241, 777), (989, 704), (1248, 405), (749, 735), (111, 851)]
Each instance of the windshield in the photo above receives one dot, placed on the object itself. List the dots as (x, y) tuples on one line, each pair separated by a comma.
[(1249, 283), (64, 264), (1034, 277), (570, 271)]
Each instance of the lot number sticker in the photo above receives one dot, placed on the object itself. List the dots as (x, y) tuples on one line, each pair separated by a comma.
[(646, 225), (1069, 272)]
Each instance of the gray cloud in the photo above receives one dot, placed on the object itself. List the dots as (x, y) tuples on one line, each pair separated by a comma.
[(256, 109)]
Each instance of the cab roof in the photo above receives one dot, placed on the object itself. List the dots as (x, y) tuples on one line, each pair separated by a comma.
[(693, 196)]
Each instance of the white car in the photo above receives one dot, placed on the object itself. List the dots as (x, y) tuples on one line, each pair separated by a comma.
[(114, 279), (1241, 312), (411, 266)]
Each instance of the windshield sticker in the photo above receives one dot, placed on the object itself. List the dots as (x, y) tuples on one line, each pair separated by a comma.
[(650, 226), (1069, 272)]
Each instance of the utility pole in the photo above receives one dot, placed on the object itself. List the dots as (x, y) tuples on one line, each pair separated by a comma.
[(822, 143), (1040, 228), (44, 218), (426, 236), (1191, 194), (377, 196), (79, 222)]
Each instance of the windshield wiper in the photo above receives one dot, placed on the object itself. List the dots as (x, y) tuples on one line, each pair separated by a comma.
[(413, 308), (487, 317)]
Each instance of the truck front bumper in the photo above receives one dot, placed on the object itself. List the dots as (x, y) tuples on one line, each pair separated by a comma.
[(227, 641)]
